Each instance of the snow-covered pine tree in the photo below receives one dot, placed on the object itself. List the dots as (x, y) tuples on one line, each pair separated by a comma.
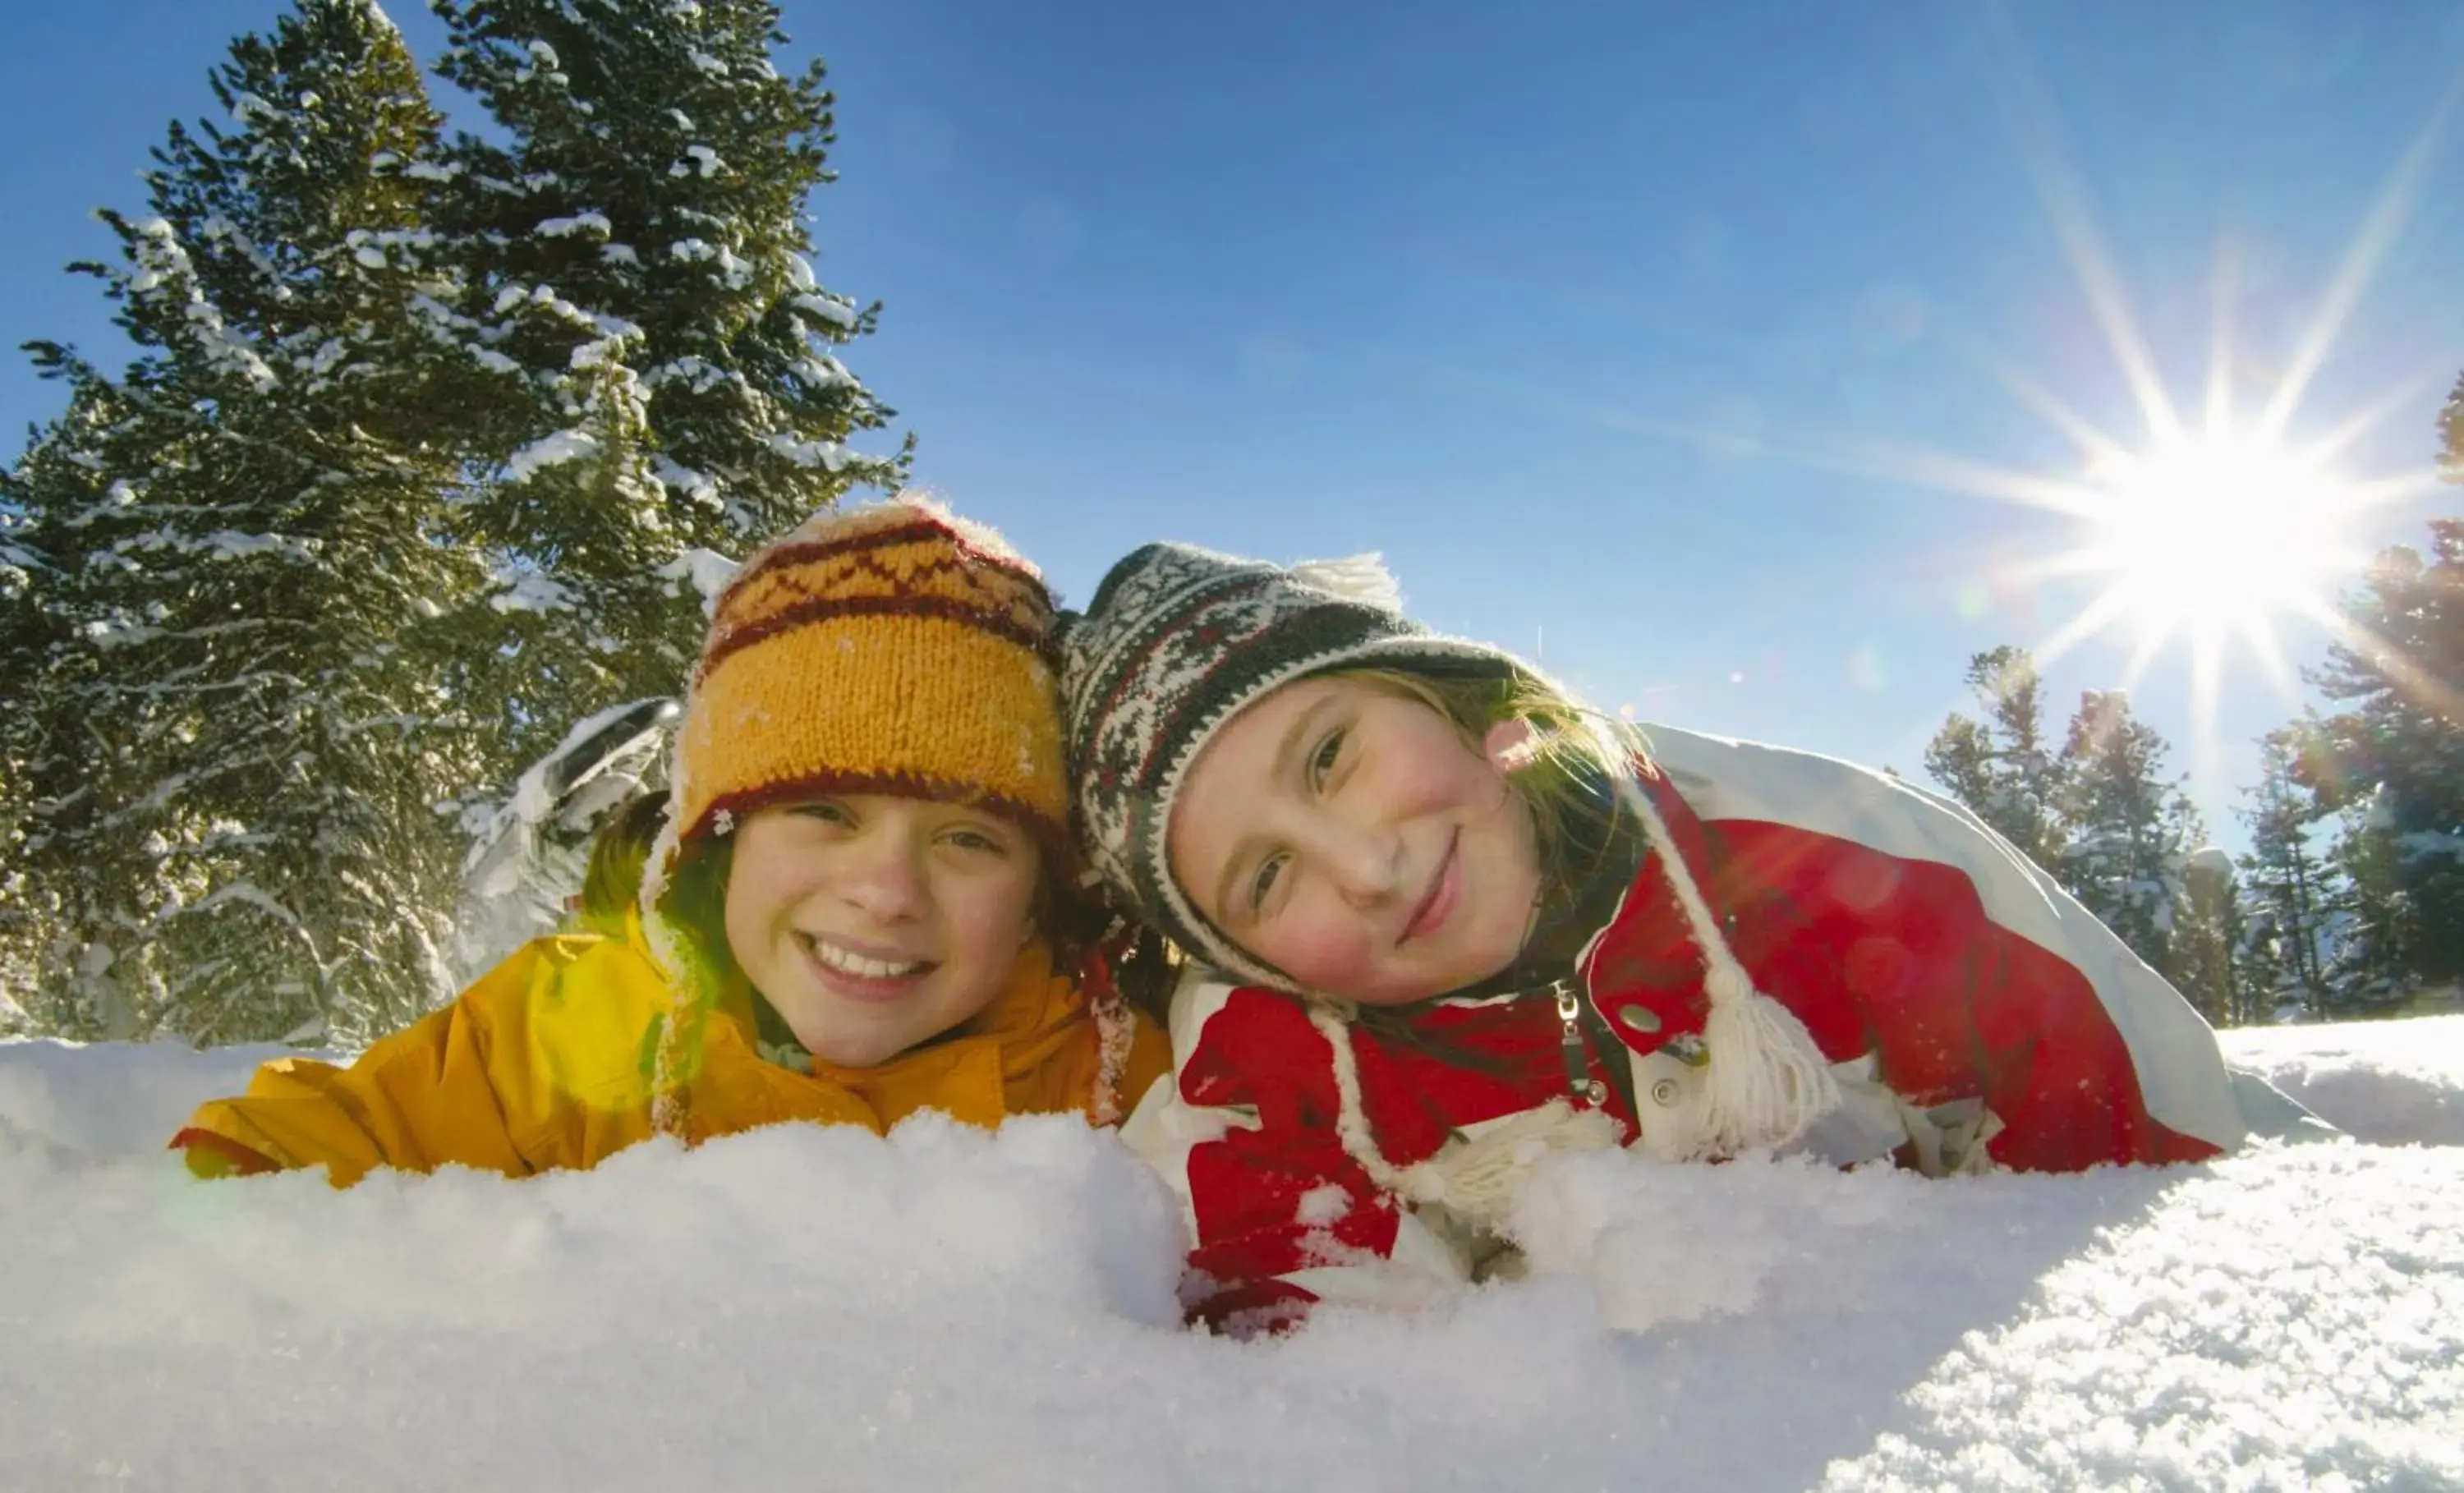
[(238, 730), (2395, 766), (2000, 767), (38, 905), (631, 244), (2130, 830), (2370, 918), (2287, 885), (2207, 963)]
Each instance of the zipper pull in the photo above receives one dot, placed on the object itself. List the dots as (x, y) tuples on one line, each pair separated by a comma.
[(1579, 1083)]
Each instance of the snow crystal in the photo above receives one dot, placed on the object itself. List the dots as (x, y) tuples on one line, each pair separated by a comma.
[(828, 455), (550, 451), (580, 222), (951, 1309), (118, 630), (532, 591), (221, 229), (824, 372), (708, 571), (708, 63), (698, 487), (734, 271), (228, 543), (1322, 1206), (594, 352), (829, 308), (696, 373)]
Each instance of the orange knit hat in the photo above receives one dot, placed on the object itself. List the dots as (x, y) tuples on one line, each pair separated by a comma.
[(891, 648)]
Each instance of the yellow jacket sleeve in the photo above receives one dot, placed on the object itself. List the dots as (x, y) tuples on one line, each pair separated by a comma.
[(423, 1097)]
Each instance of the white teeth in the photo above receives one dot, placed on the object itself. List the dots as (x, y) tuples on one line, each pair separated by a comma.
[(848, 961)]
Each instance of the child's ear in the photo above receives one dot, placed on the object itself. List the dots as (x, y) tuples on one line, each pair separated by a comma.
[(1511, 745)]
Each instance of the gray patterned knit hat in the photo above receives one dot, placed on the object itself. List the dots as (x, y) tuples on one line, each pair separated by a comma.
[(1177, 642)]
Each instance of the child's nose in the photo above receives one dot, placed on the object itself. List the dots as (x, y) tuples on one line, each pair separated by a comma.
[(1364, 865), (883, 876)]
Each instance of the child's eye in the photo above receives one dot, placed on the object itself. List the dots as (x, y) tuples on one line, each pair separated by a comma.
[(829, 811), (977, 840), (1322, 760), (1264, 881)]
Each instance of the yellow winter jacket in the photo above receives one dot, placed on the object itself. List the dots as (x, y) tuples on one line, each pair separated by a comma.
[(547, 1061)]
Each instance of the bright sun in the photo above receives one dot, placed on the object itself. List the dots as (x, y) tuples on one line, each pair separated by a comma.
[(2216, 536), (2218, 530), (2210, 535)]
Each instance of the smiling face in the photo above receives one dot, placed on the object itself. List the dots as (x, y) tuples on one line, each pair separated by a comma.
[(1351, 837), (874, 924)]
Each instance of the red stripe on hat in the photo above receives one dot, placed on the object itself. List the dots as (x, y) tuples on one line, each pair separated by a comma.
[(798, 551)]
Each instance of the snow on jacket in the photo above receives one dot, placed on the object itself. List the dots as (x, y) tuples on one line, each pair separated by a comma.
[(547, 1060), (1974, 1016)]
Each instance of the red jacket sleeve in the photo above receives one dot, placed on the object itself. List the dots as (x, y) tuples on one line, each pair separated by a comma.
[(1900, 957)]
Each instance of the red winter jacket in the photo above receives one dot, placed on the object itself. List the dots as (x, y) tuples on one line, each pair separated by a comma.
[(1974, 1016)]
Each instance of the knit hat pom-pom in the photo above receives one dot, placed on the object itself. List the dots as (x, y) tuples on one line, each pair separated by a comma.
[(1355, 578)]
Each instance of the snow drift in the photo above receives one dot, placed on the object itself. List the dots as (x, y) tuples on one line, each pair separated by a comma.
[(952, 1309)]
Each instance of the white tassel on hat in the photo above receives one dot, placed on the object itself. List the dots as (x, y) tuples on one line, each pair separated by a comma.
[(1763, 1081)]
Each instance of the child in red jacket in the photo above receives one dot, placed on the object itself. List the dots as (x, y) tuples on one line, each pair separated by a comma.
[(1456, 922)]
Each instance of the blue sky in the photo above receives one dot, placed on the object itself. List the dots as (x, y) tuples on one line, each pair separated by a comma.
[(1550, 303)]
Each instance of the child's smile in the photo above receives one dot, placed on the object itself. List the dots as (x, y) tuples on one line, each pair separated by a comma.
[(872, 923)]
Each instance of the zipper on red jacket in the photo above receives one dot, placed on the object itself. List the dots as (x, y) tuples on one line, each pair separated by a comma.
[(1584, 1088)]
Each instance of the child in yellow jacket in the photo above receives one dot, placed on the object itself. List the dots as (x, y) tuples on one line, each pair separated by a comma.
[(860, 904)]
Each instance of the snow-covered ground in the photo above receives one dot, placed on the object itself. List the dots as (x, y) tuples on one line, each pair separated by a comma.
[(951, 1311)]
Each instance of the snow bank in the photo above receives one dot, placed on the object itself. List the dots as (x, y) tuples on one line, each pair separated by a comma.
[(950, 1309), (113, 1099), (2387, 1082)]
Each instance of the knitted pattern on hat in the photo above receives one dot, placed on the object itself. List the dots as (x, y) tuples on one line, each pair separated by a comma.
[(1177, 642), (893, 648)]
